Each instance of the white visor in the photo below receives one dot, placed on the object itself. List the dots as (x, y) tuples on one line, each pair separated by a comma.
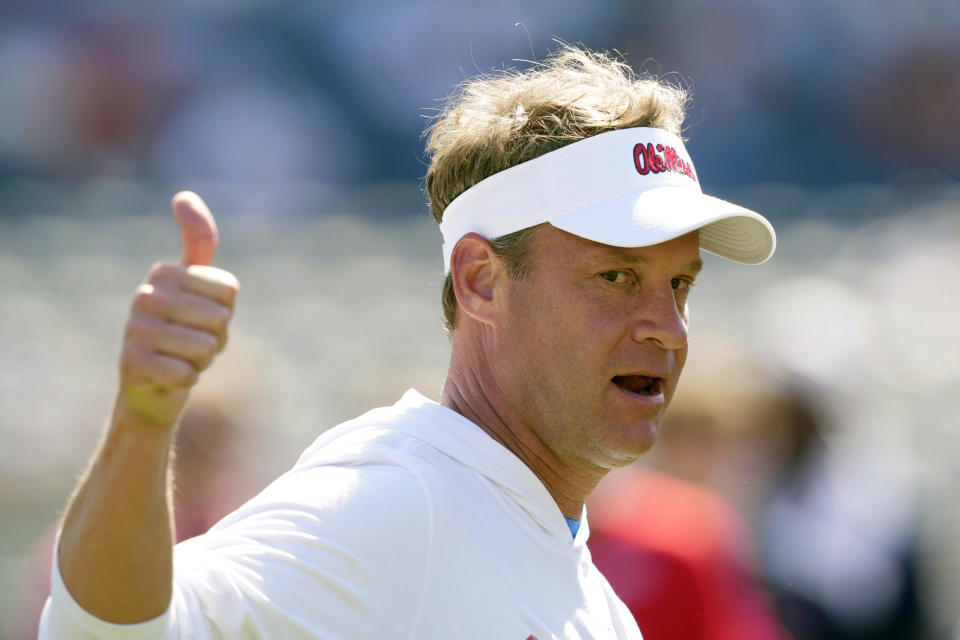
[(627, 188)]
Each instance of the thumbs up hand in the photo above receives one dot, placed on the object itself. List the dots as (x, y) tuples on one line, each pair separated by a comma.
[(178, 321)]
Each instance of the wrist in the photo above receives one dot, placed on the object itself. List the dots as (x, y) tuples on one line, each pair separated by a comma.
[(130, 419)]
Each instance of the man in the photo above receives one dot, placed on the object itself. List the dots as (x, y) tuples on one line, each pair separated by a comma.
[(572, 221)]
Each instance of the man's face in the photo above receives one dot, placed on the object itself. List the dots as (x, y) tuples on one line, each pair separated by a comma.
[(591, 344)]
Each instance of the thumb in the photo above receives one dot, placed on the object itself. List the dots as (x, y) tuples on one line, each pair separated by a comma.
[(198, 230)]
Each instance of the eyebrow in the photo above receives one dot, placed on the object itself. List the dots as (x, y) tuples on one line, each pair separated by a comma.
[(618, 255)]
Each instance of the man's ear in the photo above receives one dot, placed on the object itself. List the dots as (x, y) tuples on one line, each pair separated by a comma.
[(475, 270)]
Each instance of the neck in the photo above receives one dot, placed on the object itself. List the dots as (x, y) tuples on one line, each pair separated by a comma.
[(473, 392)]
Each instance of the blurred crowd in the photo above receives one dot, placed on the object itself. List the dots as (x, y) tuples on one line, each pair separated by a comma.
[(804, 485), (816, 93)]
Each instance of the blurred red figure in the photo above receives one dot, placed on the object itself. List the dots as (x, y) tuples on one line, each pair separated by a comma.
[(680, 558)]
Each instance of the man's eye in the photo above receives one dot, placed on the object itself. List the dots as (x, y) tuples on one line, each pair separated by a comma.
[(681, 285), (617, 277)]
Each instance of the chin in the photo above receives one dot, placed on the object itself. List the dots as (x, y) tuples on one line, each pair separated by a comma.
[(641, 438)]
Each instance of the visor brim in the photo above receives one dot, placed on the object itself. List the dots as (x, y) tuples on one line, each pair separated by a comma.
[(661, 214)]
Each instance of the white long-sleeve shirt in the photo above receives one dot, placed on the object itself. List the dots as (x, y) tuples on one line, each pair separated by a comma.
[(407, 522)]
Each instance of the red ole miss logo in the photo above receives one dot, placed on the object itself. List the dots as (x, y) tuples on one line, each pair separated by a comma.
[(650, 159)]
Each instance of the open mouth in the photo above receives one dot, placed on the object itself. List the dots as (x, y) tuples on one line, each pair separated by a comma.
[(641, 385)]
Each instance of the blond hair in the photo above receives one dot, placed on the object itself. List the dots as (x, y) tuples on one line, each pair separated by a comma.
[(496, 121)]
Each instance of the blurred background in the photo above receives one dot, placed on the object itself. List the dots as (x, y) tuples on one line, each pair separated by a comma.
[(817, 426)]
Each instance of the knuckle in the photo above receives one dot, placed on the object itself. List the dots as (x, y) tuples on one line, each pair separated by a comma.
[(227, 286), (146, 297), (164, 271), (208, 347), (142, 292), (220, 319), (136, 329), (231, 293), (232, 284), (158, 268)]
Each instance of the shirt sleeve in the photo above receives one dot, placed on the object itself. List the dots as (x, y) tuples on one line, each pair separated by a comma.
[(327, 551), (62, 617)]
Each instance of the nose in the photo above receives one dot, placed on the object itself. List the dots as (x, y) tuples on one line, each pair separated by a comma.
[(660, 320)]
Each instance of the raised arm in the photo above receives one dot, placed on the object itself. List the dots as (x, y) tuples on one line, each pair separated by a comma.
[(115, 552)]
